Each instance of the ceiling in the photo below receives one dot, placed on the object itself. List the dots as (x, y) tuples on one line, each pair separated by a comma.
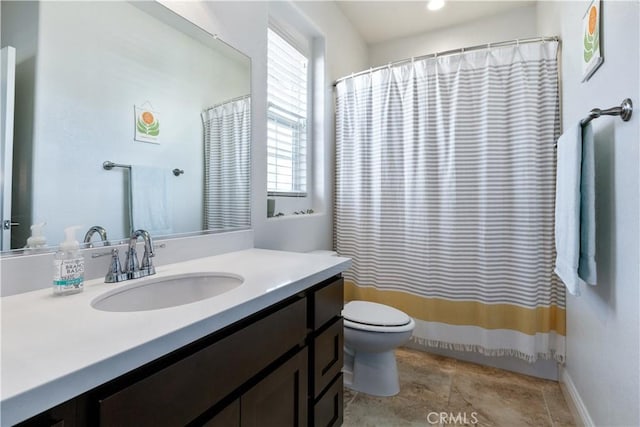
[(379, 21)]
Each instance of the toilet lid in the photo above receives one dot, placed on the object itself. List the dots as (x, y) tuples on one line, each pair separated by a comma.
[(371, 313)]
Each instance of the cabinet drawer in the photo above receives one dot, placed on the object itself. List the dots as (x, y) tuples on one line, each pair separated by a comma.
[(327, 412), (63, 415), (182, 391), (328, 356), (327, 303)]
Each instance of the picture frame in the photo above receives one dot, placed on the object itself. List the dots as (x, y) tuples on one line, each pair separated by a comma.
[(591, 52), (146, 124)]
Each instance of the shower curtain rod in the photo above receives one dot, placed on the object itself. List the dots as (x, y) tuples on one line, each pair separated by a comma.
[(237, 98), (452, 52)]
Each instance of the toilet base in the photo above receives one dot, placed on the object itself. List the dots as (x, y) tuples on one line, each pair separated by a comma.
[(373, 373)]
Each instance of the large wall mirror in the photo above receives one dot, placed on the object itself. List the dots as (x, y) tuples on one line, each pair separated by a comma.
[(136, 85)]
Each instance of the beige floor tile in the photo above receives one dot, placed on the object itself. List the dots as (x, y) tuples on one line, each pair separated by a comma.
[(500, 375), (348, 396), (499, 402), (420, 359), (558, 409), (398, 410), (464, 393), (424, 378)]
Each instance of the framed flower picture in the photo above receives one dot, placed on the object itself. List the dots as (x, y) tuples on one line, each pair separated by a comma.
[(591, 54), (147, 124)]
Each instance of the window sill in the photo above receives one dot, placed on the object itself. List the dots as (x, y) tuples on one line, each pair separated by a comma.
[(285, 194), (294, 216)]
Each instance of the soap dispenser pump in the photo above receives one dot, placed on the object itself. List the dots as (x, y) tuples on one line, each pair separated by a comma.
[(37, 239), (68, 276)]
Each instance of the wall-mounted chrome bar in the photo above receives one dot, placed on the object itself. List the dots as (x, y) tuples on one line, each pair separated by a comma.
[(110, 165), (624, 111)]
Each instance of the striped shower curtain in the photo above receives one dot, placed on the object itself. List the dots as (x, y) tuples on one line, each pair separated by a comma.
[(227, 150), (445, 189)]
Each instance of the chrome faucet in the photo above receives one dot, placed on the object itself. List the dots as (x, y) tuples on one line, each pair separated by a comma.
[(146, 268), (96, 229), (132, 270)]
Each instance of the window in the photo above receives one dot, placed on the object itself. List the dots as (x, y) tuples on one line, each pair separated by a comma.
[(287, 96)]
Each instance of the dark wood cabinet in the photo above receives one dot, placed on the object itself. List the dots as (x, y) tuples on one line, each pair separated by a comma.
[(61, 416), (328, 409), (228, 417), (185, 389), (326, 353), (279, 367), (328, 356), (280, 399)]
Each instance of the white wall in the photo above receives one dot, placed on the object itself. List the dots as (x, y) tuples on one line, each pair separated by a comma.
[(244, 25), (603, 324), (344, 52), (513, 24), (89, 74)]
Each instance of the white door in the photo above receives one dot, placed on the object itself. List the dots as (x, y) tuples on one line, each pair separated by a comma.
[(7, 96)]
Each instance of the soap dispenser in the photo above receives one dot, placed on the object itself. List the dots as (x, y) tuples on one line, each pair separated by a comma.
[(68, 276), (37, 239)]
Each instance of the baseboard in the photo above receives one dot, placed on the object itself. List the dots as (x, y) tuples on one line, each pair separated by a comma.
[(574, 401)]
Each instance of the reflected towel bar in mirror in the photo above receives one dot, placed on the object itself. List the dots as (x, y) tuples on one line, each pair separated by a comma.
[(108, 165)]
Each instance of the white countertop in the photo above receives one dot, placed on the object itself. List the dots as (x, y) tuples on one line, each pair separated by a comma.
[(57, 347)]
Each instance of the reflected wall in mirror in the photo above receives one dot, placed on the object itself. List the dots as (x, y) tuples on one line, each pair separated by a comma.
[(81, 67)]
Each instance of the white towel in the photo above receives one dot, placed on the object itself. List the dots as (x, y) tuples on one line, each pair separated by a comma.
[(150, 200), (575, 209)]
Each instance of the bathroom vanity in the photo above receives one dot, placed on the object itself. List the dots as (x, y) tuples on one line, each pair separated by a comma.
[(268, 352)]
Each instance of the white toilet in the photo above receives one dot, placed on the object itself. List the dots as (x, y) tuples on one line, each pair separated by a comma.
[(372, 332)]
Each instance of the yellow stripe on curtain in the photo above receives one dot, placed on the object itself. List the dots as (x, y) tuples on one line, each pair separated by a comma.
[(470, 313)]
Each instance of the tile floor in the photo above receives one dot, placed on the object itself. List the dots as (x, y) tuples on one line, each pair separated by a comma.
[(431, 384)]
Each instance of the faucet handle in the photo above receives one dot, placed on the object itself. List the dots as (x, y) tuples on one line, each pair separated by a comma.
[(115, 273)]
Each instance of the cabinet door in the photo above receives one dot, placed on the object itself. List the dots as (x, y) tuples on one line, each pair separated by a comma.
[(328, 352), (327, 412), (280, 399), (228, 417)]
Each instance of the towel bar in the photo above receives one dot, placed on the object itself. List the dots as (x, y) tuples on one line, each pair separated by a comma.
[(624, 111), (107, 165)]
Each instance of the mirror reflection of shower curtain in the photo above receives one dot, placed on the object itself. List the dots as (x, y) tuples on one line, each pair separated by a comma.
[(445, 191), (227, 150)]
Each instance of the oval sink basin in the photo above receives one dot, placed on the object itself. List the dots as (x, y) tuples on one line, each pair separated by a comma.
[(169, 291)]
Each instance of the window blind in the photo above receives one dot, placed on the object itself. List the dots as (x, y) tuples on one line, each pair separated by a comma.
[(287, 97)]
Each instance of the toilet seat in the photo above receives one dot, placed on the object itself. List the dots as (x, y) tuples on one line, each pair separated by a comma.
[(374, 317)]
